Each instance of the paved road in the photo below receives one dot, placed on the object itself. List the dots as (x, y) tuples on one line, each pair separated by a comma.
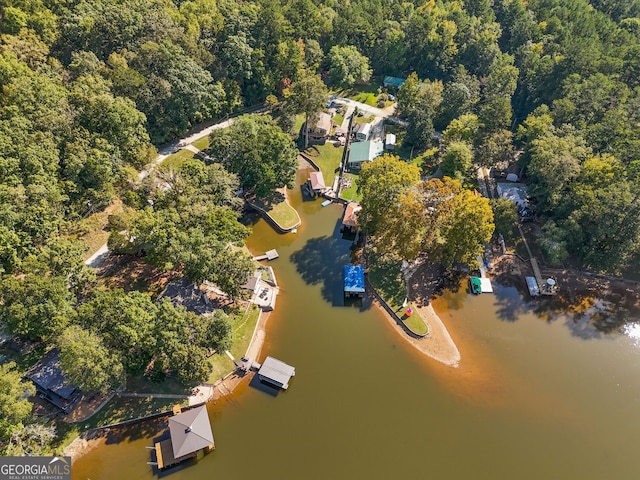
[(380, 114)]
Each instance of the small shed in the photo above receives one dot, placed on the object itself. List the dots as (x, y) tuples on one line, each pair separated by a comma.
[(276, 372), (353, 281), (390, 141)]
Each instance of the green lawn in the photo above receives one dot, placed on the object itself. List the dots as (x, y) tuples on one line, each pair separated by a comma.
[(351, 193), (202, 143), (176, 159), (120, 409), (338, 119), (283, 214), (243, 326), (386, 278), (328, 158)]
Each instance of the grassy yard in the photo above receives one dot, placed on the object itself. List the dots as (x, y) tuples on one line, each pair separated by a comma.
[(367, 93), (120, 409), (202, 143), (338, 119), (284, 215), (351, 193), (176, 159), (328, 158), (243, 327), (386, 277)]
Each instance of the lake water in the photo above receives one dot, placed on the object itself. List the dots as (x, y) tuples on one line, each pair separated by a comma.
[(536, 395)]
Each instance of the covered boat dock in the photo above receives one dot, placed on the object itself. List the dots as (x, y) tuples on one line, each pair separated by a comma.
[(189, 434)]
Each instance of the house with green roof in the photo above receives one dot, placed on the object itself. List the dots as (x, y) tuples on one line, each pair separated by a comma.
[(361, 152)]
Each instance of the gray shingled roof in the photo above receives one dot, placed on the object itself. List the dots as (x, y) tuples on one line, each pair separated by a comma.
[(190, 431)]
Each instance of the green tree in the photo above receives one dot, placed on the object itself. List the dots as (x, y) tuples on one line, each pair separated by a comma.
[(15, 408), (307, 95), (35, 439), (263, 157), (555, 163), (347, 66), (380, 183), (34, 306), (88, 363), (457, 160)]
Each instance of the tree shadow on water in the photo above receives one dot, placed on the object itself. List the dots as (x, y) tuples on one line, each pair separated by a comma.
[(321, 261)]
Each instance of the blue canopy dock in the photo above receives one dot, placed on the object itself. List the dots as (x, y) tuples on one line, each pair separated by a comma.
[(353, 281)]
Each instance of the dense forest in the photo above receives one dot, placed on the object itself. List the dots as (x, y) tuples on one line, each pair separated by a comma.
[(90, 88)]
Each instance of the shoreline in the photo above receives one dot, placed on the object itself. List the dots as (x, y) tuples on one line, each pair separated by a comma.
[(437, 345)]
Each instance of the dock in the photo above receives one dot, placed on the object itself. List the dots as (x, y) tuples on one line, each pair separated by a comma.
[(276, 372), (270, 255), (546, 287)]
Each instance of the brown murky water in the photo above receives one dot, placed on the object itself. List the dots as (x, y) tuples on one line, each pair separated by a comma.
[(533, 398)]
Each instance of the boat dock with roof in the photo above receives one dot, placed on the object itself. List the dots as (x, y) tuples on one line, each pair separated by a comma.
[(189, 435)]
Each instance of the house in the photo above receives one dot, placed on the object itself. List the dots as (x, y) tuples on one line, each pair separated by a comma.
[(362, 152), (350, 218), (188, 295), (276, 372), (362, 131), (353, 281), (389, 141), (189, 434), (52, 384), (392, 82), (515, 192), (319, 130)]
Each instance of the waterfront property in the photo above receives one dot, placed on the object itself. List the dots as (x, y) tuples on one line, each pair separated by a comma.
[(276, 372), (316, 184), (354, 281), (189, 435)]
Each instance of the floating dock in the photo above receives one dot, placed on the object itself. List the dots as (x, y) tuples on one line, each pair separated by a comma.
[(270, 255)]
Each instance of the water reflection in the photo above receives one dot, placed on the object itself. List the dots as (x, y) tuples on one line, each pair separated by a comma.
[(632, 330)]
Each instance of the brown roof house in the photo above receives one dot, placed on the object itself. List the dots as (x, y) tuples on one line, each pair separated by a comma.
[(320, 129)]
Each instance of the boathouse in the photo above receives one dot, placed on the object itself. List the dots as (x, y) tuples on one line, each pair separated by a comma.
[(353, 281), (189, 434), (276, 372), (350, 218)]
